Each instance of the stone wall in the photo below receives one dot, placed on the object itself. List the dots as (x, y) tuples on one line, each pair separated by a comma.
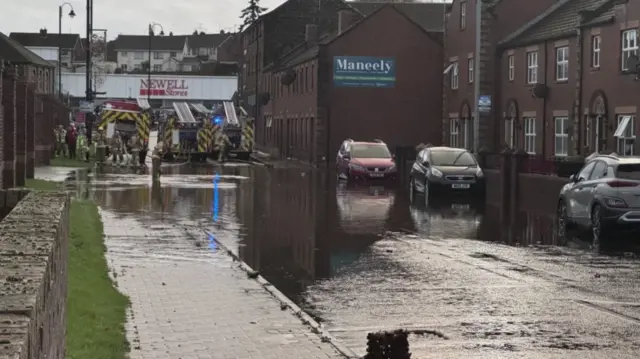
[(33, 270)]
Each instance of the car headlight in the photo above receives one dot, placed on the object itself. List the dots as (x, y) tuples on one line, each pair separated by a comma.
[(357, 167), (436, 172), (391, 168), (479, 173)]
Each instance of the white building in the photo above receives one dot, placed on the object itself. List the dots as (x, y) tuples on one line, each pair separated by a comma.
[(169, 53)]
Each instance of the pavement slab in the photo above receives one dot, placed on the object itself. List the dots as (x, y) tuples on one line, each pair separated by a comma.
[(190, 301)]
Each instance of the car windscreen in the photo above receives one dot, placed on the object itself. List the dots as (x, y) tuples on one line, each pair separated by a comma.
[(370, 151), (630, 172), (452, 158)]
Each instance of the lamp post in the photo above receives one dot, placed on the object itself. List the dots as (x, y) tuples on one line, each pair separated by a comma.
[(152, 26), (72, 14)]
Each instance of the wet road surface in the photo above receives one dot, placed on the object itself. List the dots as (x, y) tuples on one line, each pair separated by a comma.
[(362, 259)]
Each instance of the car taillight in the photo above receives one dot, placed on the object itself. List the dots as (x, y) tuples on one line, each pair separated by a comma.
[(619, 183)]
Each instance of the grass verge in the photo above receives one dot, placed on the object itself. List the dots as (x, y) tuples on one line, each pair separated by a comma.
[(96, 310), (43, 185), (68, 162)]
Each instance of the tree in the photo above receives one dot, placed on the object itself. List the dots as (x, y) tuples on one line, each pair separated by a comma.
[(251, 13)]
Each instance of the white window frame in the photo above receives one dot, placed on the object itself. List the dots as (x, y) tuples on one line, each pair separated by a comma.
[(138, 55), (455, 76), (508, 132), (625, 134), (629, 45), (596, 42), (157, 68), (512, 67), (463, 15), (562, 63), (470, 64), (561, 134), (532, 67), (454, 132), (530, 135)]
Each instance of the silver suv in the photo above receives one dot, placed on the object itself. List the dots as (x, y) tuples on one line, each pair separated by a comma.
[(603, 197)]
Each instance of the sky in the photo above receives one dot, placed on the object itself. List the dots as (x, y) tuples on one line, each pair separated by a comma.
[(126, 16)]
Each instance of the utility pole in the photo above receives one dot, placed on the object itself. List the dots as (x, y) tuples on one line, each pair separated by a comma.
[(476, 80), (257, 62), (89, 88)]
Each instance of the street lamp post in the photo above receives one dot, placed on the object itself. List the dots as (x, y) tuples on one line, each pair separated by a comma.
[(72, 14), (152, 26)]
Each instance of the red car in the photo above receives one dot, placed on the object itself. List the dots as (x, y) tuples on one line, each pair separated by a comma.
[(365, 160)]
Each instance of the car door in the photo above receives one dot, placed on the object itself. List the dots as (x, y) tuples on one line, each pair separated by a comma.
[(575, 195), (584, 197)]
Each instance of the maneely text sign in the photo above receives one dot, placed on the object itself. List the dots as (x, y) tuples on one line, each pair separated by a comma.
[(364, 71), (164, 87)]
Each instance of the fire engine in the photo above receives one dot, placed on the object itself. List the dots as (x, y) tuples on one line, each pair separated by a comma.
[(129, 118)]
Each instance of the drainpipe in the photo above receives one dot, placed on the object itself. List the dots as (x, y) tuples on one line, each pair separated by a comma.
[(544, 102), (578, 123), (476, 80)]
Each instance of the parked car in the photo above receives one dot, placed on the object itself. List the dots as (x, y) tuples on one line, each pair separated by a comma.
[(445, 169), (602, 198), (365, 160)]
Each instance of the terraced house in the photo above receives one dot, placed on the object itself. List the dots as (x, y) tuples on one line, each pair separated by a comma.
[(498, 19), (565, 86)]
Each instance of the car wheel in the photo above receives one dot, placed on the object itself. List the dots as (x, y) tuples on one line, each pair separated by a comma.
[(561, 223), (596, 228)]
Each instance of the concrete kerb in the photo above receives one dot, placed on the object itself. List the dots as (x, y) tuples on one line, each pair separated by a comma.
[(306, 319)]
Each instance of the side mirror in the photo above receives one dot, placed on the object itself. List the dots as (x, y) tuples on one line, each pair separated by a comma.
[(426, 164), (393, 157), (573, 178)]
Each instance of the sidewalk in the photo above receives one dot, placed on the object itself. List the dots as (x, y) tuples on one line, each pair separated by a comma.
[(192, 301)]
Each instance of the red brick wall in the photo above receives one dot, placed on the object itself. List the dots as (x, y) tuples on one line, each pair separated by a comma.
[(21, 133), (9, 122), (1, 124), (33, 104)]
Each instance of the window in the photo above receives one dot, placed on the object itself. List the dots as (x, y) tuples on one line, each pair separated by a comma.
[(454, 76), (585, 172), (173, 54), (454, 133), (124, 67), (530, 135), (158, 55), (138, 55), (532, 67), (512, 67), (625, 135), (562, 63), (562, 136), (595, 51), (123, 53), (629, 46), (630, 171), (599, 171), (470, 70), (460, 158), (370, 151), (157, 68), (463, 15)]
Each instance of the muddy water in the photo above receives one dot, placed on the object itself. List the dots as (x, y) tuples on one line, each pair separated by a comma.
[(362, 258)]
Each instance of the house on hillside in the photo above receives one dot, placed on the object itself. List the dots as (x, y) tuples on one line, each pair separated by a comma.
[(46, 45)]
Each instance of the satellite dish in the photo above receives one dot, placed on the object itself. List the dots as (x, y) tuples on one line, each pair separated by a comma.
[(632, 63)]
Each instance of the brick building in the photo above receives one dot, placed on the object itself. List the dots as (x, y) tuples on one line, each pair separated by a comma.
[(311, 111), (28, 112), (565, 88), (499, 18)]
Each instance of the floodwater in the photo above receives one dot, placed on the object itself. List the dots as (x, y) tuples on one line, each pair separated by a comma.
[(363, 258)]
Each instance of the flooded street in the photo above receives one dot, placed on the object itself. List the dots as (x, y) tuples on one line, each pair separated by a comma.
[(363, 258)]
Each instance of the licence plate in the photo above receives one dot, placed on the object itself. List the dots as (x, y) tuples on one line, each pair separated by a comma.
[(376, 174), (460, 185)]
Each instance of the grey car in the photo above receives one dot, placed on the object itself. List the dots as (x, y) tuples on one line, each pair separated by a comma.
[(440, 170), (602, 198)]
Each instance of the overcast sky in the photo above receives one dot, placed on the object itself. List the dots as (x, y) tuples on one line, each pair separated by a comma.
[(126, 16)]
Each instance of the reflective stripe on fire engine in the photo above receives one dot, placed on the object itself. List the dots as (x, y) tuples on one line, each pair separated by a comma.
[(142, 124), (167, 133), (205, 138), (247, 136), (109, 116)]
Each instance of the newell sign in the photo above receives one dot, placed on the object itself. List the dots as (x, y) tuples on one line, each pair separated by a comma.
[(364, 71)]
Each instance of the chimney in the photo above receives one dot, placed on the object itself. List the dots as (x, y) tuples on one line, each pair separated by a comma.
[(311, 34), (345, 20)]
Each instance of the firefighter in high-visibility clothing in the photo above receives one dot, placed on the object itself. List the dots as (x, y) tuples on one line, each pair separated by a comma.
[(61, 144), (224, 147), (116, 148), (82, 145), (134, 143)]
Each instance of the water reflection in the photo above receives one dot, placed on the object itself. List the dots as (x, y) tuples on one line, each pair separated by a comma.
[(447, 217)]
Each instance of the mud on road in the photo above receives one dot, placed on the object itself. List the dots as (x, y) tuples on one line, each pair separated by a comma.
[(363, 259)]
